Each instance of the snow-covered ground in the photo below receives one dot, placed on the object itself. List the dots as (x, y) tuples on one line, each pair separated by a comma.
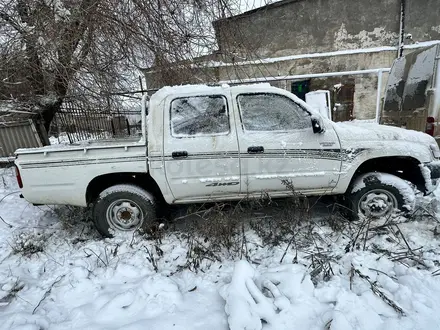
[(57, 273)]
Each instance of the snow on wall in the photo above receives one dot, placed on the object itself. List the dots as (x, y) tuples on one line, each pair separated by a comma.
[(364, 39)]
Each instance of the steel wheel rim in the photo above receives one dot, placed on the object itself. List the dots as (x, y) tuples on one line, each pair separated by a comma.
[(377, 203), (124, 215)]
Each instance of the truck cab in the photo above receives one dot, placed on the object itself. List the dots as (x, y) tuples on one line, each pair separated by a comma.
[(231, 142)]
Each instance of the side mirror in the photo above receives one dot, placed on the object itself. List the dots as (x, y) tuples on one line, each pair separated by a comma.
[(317, 125)]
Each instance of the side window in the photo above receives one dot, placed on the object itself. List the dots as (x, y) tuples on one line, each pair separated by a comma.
[(271, 112), (199, 115)]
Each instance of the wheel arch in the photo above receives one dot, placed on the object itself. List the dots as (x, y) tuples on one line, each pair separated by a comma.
[(404, 167), (102, 182)]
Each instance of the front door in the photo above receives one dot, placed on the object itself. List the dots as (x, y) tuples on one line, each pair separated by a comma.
[(277, 145), (200, 147)]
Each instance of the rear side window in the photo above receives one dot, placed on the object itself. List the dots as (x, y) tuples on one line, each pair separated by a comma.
[(199, 115), (271, 112)]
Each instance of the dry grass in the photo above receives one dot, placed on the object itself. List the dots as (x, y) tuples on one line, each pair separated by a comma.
[(17, 286), (28, 244)]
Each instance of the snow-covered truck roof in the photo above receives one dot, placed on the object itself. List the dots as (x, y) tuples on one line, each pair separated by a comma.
[(202, 89), (167, 91)]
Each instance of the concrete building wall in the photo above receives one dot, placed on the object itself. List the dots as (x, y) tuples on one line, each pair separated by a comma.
[(349, 62), (364, 98), (310, 26), (316, 26), (422, 19)]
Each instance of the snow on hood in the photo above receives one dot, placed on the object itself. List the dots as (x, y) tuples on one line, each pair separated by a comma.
[(375, 132)]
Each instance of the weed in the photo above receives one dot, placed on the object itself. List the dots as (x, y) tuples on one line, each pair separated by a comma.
[(29, 243), (17, 286)]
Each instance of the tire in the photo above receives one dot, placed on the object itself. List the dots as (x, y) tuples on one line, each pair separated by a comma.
[(123, 208), (377, 195)]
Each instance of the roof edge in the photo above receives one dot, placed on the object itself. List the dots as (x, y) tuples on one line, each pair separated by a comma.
[(253, 11)]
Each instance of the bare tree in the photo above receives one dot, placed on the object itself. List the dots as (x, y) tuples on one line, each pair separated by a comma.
[(50, 48)]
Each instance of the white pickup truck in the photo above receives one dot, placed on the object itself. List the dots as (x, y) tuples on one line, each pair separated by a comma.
[(203, 144)]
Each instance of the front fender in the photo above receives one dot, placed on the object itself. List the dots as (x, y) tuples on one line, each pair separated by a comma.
[(355, 157)]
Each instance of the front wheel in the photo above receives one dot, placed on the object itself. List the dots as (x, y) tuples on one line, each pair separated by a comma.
[(123, 208), (378, 195)]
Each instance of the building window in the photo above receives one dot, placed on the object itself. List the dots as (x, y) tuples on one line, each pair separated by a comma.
[(199, 115), (301, 88), (271, 112)]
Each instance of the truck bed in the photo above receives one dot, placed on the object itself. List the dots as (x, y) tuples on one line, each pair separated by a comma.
[(59, 174), (90, 144)]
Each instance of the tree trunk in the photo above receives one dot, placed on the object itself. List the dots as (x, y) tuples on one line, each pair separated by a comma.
[(48, 113)]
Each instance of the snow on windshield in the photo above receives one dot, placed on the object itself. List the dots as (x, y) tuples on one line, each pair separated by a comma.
[(271, 112)]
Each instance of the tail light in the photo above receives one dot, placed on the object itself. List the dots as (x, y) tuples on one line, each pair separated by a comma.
[(430, 126), (18, 176)]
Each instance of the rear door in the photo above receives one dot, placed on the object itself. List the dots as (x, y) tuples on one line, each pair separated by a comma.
[(200, 146), (277, 143)]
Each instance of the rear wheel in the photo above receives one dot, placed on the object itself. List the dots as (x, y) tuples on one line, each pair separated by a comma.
[(123, 208), (378, 195)]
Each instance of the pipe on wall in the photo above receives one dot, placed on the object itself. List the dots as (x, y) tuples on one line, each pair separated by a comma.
[(402, 28)]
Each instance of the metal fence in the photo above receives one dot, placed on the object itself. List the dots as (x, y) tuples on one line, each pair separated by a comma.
[(81, 122)]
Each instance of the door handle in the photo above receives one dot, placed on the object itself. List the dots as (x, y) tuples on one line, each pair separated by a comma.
[(256, 150), (179, 154)]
